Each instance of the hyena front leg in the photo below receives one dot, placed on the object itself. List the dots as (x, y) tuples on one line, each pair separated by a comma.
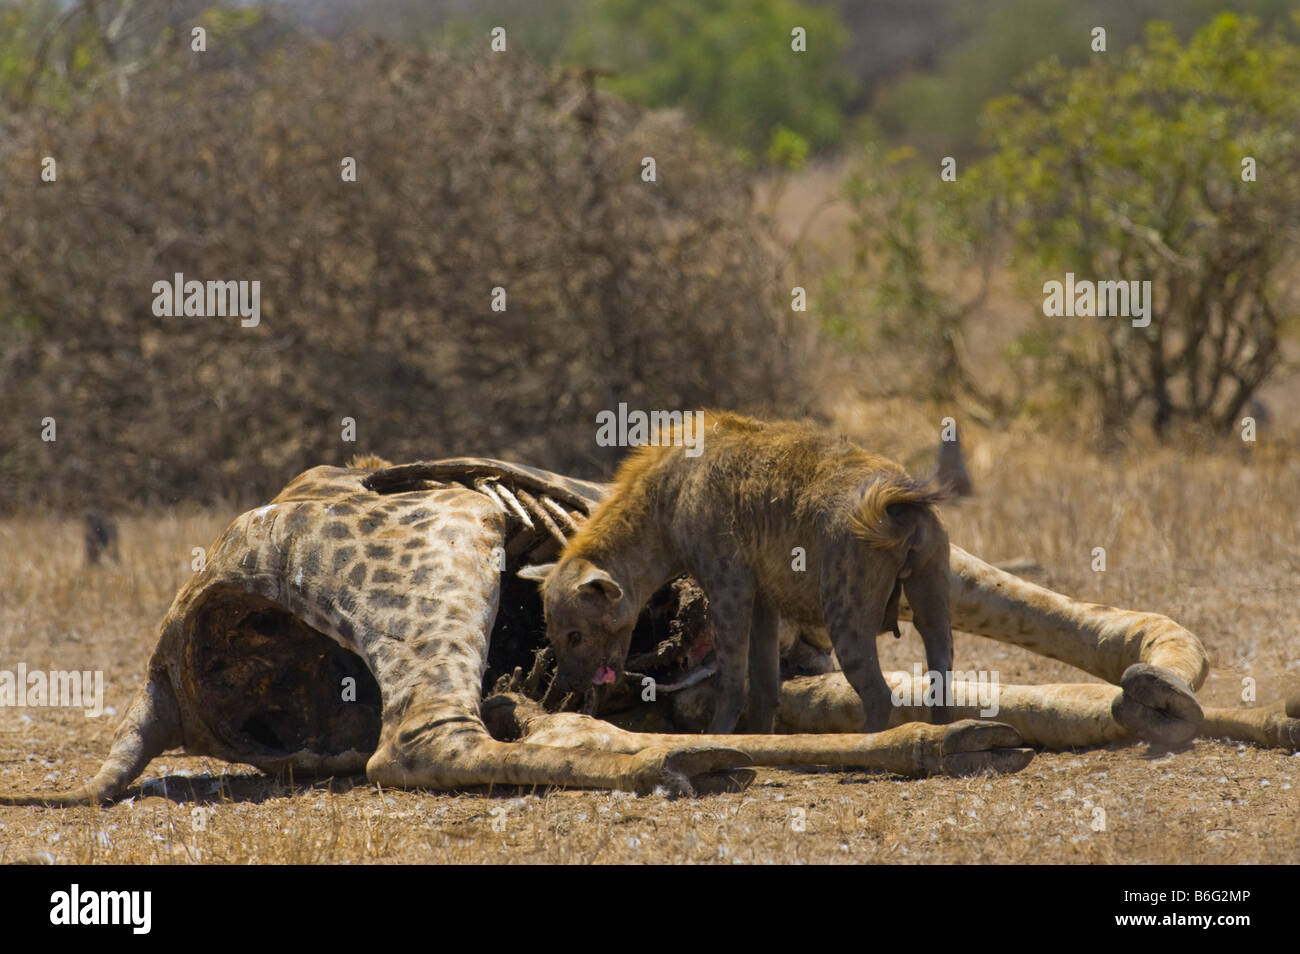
[(853, 608), (764, 669), (730, 589)]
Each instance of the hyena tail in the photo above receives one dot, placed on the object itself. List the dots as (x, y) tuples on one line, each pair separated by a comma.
[(886, 514)]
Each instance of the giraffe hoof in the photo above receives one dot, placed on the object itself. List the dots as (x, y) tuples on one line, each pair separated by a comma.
[(972, 735), (1293, 705), (695, 770), (1285, 733), (1157, 706), (720, 783), (971, 747), (1285, 726), (994, 762)]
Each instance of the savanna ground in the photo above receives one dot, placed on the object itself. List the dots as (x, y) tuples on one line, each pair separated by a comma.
[(1208, 538)]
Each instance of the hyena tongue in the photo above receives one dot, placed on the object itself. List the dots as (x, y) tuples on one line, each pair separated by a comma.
[(604, 676)]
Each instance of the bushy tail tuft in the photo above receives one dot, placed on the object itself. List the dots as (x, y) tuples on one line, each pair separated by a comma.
[(368, 462), (884, 518)]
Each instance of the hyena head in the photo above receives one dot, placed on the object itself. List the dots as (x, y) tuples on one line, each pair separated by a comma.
[(588, 622)]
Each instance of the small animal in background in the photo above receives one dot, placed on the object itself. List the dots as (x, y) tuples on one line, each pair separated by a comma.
[(101, 536), (773, 520), (1259, 410), (952, 471)]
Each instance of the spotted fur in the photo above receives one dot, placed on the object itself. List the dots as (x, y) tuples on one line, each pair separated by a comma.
[(737, 516)]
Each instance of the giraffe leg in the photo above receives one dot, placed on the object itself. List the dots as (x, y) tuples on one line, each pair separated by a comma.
[(1064, 715), (1051, 716), (152, 724), (962, 748), (1100, 640), (430, 674), (1157, 663), (1274, 726), (436, 753)]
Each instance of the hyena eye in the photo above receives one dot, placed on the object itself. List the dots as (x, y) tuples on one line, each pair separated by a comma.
[(573, 636)]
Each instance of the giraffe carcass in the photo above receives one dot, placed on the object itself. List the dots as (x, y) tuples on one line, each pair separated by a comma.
[(347, 626)]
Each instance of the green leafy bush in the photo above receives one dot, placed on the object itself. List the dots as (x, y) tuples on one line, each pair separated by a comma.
[(730, 64), (1135, 167)]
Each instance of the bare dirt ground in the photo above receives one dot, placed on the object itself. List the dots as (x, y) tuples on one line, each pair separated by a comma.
[(1211, 540)]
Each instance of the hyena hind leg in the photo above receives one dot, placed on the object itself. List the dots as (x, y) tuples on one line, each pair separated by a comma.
[(853, 608)]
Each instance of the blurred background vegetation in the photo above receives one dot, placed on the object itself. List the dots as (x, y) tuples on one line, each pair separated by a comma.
[(523, 170)]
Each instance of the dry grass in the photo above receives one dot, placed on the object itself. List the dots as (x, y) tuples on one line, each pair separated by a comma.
[(1211, 540)]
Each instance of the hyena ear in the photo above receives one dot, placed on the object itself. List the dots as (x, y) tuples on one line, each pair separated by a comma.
[(537, 573), (595, 580)]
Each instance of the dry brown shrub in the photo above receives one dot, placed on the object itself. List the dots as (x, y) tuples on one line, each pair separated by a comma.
[(375, 295)]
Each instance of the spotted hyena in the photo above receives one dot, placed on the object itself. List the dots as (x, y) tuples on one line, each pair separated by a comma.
[(773, 519)]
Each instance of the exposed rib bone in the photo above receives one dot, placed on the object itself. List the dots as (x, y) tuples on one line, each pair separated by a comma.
[(511, 499), (540, 513), (582, 495), (560, 514), (484, 486)]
